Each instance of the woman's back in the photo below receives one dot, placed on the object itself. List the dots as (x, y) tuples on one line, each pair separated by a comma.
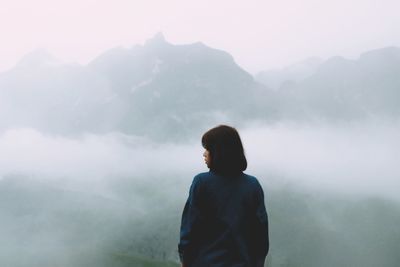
[(224, 222)]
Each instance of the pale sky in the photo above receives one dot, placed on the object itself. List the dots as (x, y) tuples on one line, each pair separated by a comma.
[(259, 34)]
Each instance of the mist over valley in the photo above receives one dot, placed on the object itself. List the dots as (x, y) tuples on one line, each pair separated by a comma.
[(96, 160)]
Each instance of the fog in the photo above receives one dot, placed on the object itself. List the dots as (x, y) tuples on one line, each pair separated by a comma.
[(355, 157), (89, 157), (119, 197), (350, 158), (96, 161)]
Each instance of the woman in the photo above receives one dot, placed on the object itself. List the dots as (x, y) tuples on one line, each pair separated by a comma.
[(224, 222)]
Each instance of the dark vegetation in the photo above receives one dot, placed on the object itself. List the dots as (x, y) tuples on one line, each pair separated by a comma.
[(49, 226)]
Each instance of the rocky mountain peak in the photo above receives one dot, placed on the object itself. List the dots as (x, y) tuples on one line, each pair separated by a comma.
[(38, 57), (156, 40)]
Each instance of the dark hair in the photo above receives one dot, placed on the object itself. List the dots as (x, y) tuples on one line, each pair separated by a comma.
[(226, 150)]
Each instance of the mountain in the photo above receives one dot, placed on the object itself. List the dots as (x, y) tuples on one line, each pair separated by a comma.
[(38, 57), (54, 97), (169, 92), (178, 88), (342, 89), (293, 73), (158, 90)]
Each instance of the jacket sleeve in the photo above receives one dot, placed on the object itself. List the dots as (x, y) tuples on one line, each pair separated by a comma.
[(190, 223), (262, 240)]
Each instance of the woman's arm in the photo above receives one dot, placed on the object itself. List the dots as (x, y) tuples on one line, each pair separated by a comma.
[(262, 242), (190, 223)]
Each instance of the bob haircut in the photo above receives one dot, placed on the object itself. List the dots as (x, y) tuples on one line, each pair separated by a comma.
[(226, 150)]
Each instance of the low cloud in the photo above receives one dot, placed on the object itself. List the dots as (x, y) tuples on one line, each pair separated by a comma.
[(350, 158), (115, 192), (357, 157)]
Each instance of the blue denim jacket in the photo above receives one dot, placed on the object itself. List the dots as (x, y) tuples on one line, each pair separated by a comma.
[(224, 222)]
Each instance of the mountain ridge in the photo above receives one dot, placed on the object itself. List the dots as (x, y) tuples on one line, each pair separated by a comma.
[(169, 92)]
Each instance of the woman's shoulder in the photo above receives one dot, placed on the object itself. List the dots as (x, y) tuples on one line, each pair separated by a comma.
[(252, 181), (203, 176), (250, 178)]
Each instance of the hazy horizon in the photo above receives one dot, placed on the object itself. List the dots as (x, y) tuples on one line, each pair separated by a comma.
[(259, 35)]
